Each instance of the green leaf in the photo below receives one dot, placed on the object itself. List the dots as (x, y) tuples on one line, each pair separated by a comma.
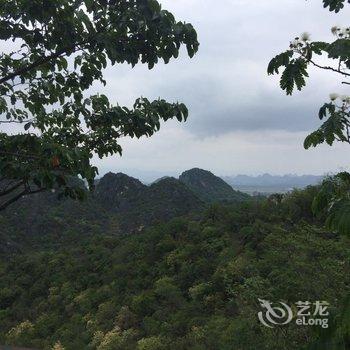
[(27, 126), (280, 60), (327, 108), (313, 139), (318, 47), (334, 5), (294, 75), (339, 217)]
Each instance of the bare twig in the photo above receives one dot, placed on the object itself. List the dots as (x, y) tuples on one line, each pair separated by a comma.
[(15, 121), (329, 68)]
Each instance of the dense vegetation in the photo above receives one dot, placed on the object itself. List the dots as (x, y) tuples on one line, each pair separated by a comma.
[(119, 202), (334, 56), (187, 284)]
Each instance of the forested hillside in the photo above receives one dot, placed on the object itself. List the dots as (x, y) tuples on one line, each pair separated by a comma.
[(120, 203), (188, 263), (192, 283), (210, 188)]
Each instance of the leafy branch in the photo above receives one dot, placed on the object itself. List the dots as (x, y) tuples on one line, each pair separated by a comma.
[(37, 77)]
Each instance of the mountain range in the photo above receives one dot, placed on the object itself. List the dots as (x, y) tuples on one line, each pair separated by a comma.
[(261, 184), (120, 204)]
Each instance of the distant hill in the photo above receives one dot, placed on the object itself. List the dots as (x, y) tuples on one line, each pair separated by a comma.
[(119, 191), (210, 188), (267, 183), (120, 204), (137, 205)]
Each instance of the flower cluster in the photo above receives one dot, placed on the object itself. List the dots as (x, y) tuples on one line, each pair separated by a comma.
[(300, 41), (341, 33), (343, 98)]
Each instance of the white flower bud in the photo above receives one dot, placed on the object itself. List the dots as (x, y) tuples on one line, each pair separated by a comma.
[(333, 96), (344, 32), (345, 99), (305, 36), (335, 30), (295, 43)]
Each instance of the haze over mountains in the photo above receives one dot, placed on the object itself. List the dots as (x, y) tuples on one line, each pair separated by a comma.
[(267, 184)]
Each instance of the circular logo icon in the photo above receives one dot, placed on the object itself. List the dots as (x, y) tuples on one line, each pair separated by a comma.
[(274, 315)]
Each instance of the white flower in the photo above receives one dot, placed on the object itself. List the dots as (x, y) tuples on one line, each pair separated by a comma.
[(345, 98), (345, 32), (295, 43), (333, 96), (305, 36), (335, 30)]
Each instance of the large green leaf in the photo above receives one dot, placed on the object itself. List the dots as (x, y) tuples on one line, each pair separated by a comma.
[(334, 5), (294, 75), (280, 60)]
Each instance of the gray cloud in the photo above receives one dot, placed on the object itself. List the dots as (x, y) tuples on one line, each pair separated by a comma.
[(230, 97), (226, 85)]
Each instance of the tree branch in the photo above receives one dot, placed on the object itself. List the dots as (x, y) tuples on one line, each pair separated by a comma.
[(9, 190), (329, 68), (36, 63), (12, 200), (15, 198), (15, 121), (46, 59), (14, 154)]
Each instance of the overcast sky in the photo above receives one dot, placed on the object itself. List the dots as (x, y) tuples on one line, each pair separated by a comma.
[(240, 121)]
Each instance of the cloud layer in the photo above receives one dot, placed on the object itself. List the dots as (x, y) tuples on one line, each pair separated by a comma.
[(240, 121)]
